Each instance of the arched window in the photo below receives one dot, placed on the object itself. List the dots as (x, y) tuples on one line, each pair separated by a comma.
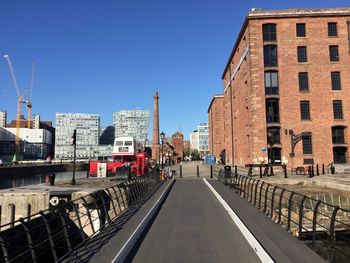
[(269, 32)]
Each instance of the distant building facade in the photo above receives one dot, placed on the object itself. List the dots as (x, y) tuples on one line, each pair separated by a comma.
[(287, 79), (133, 123), (194, 140), (203, 139), (216, 125), (3, 117), (178, 144), (34, 143), (88, 128)]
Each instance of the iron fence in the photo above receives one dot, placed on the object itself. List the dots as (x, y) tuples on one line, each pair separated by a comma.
[(50, 235), (322, 226)]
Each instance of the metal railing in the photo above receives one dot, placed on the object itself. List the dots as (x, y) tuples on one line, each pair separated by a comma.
[(323, 227), (52, 234)]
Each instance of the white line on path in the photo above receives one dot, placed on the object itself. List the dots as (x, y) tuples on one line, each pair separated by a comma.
[(253, 242), (129, 244)]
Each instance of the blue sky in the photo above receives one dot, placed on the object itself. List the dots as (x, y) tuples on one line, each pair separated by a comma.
[(105, 56)]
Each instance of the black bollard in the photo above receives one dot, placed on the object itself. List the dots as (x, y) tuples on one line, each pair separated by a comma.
[(211, 171), (197, 170), (260, 171), (180, 171), (312, 170), (236, 172), (317, 170), (52, 179), (332, 169), (323, 171), (285, 171), (271, 171), (309, 171)]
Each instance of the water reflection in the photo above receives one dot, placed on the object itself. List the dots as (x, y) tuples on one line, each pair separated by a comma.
[(26, 180)]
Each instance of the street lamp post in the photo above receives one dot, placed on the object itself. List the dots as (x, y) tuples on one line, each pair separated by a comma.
[(162, 136)]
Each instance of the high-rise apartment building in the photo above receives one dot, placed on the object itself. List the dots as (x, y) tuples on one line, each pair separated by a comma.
[(133, 123), (287, 88), (194, 140), (3, 116), (88, 128)]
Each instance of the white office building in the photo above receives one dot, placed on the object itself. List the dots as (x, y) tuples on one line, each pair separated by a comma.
[(34, 143), (3, 116), (88, 129), (199, 139), (133, 123)]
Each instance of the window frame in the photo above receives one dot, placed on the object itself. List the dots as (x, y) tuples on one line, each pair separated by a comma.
[(305, 114), (275, 117), (271, 89), (302, 56), (303, 78), (268, 60), (332, 29), (338, 113), (307, 142), (335, 80), (338, 134), (268, 34), (300, 28), (333, 53)]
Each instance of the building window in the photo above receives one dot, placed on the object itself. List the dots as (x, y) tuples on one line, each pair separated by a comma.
[(338, 135), (273, 136), (301, 31), (337, 109), (309, 161), (305, 110), (272, 111), (269, 32), (303, 81), (307, 143), (302, 54), (335, 77), (333, 53), (271, 82), (332, 29), (270, 56)]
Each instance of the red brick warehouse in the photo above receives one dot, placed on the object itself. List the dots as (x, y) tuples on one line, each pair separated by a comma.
[(288, 75)]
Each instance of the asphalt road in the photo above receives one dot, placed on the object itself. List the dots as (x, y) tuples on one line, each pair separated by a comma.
[(192, 226)]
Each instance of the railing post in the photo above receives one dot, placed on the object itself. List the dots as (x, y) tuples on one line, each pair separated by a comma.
[(211, 171), (251, 191), (29, 240), (266, 193), (4, 250), (198, 170), (11, 211), (331, 254), (285, 171), (180, 170), (49, 233), (289, 209), (65, 229), (314, 224), (273, 200), (260, 171), (261, 186), (301, 213), (280, 206), (256, 191)]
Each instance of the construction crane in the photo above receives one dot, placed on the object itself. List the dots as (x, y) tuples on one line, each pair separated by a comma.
[(29, 101), (19, 102)]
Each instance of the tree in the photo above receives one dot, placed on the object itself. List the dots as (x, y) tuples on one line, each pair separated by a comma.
[(187, 152), (195, 154)]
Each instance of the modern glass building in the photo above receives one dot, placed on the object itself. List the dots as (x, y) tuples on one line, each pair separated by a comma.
[(88, 128), (133, 123)]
